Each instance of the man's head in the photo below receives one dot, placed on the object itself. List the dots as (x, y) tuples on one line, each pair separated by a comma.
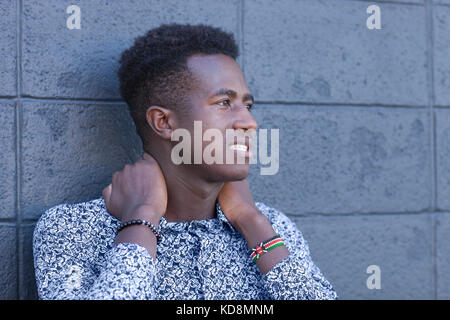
[(177, 74)]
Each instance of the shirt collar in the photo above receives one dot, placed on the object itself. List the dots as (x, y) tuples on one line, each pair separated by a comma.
[(181, 225), (221, 216), (213, 225)]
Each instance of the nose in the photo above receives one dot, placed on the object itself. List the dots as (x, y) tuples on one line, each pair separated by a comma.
[(245, 120)]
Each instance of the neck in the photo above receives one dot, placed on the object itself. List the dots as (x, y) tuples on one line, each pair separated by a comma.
[(189, 199), (189, 196)]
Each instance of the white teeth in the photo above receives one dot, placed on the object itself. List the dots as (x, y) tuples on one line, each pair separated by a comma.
[(240, 147)]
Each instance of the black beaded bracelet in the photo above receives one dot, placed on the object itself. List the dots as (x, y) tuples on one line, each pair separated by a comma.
[(139, 221)]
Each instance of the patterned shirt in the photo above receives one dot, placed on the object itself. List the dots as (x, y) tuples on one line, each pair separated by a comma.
[(75, 258)]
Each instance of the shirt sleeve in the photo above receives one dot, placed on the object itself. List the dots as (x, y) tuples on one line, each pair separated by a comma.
[(64, 257), (296, 277)]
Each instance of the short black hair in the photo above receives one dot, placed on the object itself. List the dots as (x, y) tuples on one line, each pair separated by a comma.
[(154, 70)]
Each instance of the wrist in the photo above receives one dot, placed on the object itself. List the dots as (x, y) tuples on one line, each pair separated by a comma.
[(252, 221), (144, 212), (138, 234)]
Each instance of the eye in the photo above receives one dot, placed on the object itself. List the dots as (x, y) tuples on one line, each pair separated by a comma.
[(249, 106), (224, 103)]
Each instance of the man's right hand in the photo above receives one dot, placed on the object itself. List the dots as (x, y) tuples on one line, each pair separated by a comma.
[(137, 192)]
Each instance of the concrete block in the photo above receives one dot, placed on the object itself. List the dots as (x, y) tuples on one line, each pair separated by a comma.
[(323, 52), (7, 160), (70, 151), (400, 245), (441, 24), (399, 1), (443, 255), (59, 62), (8, 263), (8, 48), (28, 289), (346, 160), (441, 2), (443, 158)]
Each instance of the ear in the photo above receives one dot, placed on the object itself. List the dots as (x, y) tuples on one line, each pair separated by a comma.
[(161, 120)]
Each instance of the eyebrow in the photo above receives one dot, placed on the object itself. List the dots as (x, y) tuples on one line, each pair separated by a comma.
[(232, 94)]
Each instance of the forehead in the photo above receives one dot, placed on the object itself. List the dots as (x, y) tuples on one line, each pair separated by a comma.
[(217, 71)]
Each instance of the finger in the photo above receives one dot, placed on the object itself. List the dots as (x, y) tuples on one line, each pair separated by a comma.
[(106, 193)]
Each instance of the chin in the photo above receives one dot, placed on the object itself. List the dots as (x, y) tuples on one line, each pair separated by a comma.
[(239, 173), (225, 173)]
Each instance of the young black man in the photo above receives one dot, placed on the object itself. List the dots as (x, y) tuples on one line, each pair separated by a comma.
[(203, 237)]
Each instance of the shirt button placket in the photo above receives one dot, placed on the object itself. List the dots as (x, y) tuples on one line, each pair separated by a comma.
[(204, 266), (194, 241)]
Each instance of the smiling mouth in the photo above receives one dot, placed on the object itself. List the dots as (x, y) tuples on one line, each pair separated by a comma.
[(239, 147)]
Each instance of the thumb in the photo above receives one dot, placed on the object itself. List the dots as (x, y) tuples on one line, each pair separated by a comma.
[(146, 156), (106, 193)]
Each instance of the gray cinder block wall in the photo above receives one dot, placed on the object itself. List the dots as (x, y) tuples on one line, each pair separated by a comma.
[(363, 115)]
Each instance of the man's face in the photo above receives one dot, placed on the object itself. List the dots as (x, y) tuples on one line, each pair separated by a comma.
[(221, 101)]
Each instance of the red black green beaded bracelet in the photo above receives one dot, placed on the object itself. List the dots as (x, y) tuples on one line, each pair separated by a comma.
[(264, 247)]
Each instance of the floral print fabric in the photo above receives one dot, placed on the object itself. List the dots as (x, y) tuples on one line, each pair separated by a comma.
[(75, 258)]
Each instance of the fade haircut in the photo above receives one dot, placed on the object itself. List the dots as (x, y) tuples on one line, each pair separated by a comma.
[(154, 70)]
